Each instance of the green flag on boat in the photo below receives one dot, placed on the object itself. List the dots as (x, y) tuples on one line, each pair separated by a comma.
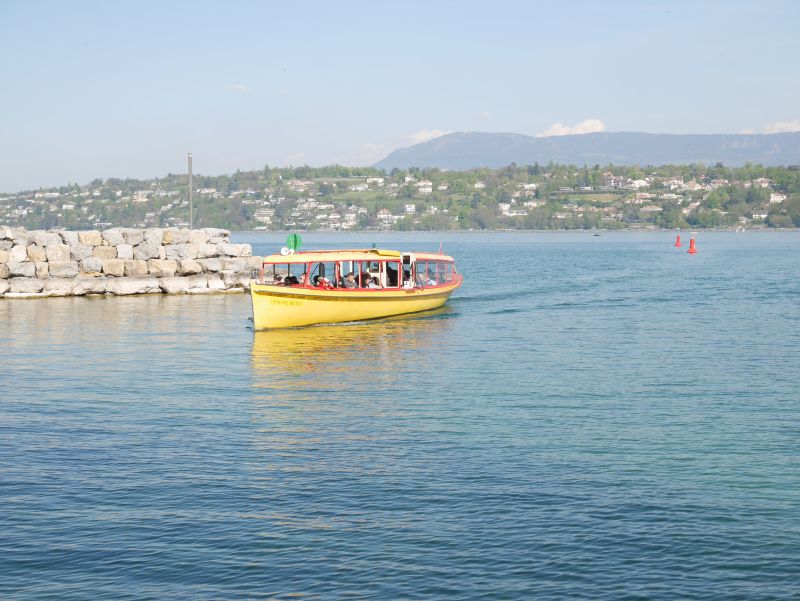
[(293, 242)]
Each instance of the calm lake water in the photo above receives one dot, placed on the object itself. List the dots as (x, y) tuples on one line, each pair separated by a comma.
[(588, 418)]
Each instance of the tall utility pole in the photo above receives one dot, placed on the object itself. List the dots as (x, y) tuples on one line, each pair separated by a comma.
[(190, 190)]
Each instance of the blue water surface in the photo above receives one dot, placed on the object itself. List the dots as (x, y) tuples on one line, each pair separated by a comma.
[(590, 417)]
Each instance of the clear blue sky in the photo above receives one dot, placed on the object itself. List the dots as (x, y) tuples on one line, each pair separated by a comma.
[(126, 89)]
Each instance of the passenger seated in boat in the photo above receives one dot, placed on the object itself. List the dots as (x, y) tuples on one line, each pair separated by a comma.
[(291, 280), (365, 278), (432, 280), (350, 281), (372, 283), (322, 282), (278, 280)]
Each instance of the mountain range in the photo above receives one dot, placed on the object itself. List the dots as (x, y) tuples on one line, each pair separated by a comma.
[(470, 150)]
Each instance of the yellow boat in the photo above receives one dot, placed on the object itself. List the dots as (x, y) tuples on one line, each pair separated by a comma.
[(334, 286)]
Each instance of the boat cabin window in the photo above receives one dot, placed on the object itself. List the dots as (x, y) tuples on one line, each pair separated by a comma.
[(323, 275), (420, 272), (284, 274), (392, 279), (370, 274), (407, 281), (366, 274), (433, 273)]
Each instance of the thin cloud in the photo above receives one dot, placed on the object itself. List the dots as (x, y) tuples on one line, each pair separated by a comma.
[(483, 115), (241, 88), (372, 152), (425, 135), (584, 127), (782, 127)]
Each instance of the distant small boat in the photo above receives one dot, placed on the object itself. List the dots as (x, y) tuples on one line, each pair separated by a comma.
[(597, 235), (334, 286)]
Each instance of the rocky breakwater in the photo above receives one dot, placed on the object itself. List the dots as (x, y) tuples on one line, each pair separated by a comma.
[(122, 261)]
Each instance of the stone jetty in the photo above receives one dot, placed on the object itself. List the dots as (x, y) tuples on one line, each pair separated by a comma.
[(122, 261)]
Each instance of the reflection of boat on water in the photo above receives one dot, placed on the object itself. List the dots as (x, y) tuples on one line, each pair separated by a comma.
[(349, 285), (371, 350)]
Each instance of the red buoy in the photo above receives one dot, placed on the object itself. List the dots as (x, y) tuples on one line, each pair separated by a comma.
[(678, 241), (692, 250)]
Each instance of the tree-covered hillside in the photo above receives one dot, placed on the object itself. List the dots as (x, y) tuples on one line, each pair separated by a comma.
[(343, 198)]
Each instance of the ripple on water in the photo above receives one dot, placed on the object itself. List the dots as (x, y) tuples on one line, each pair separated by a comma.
[(616, 420)]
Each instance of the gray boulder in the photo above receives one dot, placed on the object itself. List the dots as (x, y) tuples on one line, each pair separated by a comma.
[(174, 285), (206, 251), (124, 251), (198, 237), (234, 250), (92, 266), (176, 236), (231, 279), (70, 238), (133, 237), (89, 285), (21, 237), (63, 269), (189, 267), (58, 252), (135, 268), (238, 264), (5, 272), (45, 239), (125, 286), (25, 285), (42, 269), (18, 254), (162, 268), (146, 250), (114, 236), (59, 286), (215, 235), (210, 265), (25, 270), (104, 252), (79, 252), (36, 253), (178, 252), (90, 238), (4, 286), (196, 284), (154, 236), (214, 282), (114, 267)]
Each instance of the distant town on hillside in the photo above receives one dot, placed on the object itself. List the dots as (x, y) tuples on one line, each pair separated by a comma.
[(338, 198)]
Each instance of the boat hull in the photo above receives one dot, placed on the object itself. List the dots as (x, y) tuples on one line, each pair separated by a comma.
[(287, 307)]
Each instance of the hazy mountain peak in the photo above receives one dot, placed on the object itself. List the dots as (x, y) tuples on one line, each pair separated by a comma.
[(469, 150)]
